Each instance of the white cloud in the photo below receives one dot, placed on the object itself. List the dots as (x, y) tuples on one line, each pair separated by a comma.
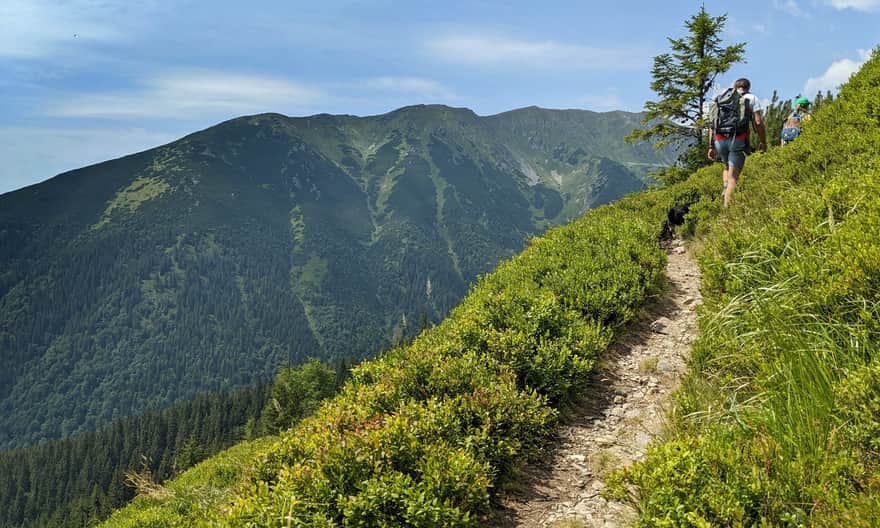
[(482, 50), (602, 102), (733, 29), (737, 29), (836, 74), (42, 28), (858, 5), (415, 86), (32, 154), (193, 94), (791, 7)]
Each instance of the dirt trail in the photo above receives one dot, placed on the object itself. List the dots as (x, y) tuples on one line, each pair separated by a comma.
[(623, 410)]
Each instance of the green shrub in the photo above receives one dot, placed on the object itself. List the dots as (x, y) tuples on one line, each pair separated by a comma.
[(859, 401), (698, 482)]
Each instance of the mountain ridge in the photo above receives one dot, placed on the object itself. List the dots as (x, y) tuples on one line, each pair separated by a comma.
[(636, 115), (204, 263)]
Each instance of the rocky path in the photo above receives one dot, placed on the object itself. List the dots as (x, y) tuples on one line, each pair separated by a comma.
[(622, 411)]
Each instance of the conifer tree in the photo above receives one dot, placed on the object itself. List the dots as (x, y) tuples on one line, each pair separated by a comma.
[(682, 79), (822, 99), (775, 114)]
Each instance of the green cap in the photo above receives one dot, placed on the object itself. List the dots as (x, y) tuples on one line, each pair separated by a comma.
[(802, 101)]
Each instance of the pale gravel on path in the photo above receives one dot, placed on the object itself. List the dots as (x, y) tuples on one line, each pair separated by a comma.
[(623, 410)]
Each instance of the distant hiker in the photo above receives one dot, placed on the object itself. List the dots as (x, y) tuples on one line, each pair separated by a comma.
[(792, 127), (730, 116)]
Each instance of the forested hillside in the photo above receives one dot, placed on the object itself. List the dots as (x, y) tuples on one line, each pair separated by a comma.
[(80, 480), (207, 263)]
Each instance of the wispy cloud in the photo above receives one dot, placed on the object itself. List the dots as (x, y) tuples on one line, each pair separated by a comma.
[(483, 50), (736, 28), (791, 7), (193, 94), (41, 28), (836, 74), (414, 86), (858, 5), (602, 102)]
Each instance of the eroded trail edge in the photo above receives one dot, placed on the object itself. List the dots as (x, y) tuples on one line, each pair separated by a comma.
[(623, 410)]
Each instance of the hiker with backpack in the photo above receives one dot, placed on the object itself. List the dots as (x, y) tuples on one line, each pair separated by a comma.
[(731, 117), (792, 127)]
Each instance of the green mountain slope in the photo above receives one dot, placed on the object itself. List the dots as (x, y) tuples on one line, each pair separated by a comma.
[(206, 263)]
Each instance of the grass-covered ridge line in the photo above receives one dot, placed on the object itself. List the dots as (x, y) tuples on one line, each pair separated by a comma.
[(421, 435), (778, 422), (193, 496)]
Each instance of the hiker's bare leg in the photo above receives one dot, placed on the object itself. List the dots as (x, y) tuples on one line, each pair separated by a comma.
[(731, 176)]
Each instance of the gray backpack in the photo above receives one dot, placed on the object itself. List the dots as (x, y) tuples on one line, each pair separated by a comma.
[(730, 113)]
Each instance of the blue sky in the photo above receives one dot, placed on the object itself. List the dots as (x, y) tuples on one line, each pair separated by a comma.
[(83, 81)]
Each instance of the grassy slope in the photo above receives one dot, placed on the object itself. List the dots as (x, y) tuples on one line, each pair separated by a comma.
[(195, 494), (778, 422)]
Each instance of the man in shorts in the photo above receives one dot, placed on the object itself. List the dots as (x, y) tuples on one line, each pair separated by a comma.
[(731, 150)]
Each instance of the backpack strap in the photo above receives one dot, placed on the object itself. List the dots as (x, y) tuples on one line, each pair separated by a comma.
[(746, 116)]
